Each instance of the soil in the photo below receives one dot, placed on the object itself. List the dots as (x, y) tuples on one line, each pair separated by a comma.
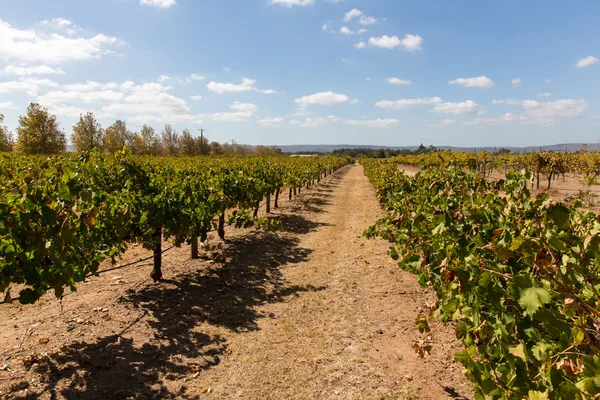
[(313, 311)]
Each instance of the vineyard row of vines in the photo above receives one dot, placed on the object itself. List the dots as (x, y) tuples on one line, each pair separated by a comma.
[(547, 164), (62, 216), (517, 274)]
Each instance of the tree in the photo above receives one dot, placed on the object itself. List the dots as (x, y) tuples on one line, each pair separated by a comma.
[(39, 132), (189, 146), (216, 148), (150, 140), (115, 137), (503, 151), (170, 140), (6, 140), (87, 133)]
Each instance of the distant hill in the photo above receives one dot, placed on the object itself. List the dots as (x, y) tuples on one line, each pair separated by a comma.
[(327, 148)]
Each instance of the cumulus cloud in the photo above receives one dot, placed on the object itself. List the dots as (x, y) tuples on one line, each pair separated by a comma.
[(324, 98), (552, 109), (516, 82), (163, 78), (54, 48), (29, 86), (344, 30), (409, 42), (398, 81), (405, 103), (479, 82), (159, 3), (586, 62), (360, 45), (33, 70), (247, 85), (196, 98), (292, 3), (7, 105), (468, 107), (545, 94), (362, 18), (238, 106), (270, 122), (310, 122), (373, 123)]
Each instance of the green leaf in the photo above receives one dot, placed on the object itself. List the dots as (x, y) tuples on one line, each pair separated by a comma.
[(533, 298), (559, 214), (537, 395), (518, 351)]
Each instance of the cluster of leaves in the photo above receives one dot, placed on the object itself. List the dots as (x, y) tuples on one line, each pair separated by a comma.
[(61, 217), (519, 276)]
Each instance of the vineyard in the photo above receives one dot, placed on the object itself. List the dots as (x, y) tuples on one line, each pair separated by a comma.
[(61, 217), (517, 274)]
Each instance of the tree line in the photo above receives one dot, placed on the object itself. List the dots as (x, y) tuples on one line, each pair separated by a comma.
[(39, 132)]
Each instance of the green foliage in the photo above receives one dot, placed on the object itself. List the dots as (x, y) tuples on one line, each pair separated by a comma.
[(39, 133), (87, 133), (519, 276), (61, 217), (6, 140), (116, 137)]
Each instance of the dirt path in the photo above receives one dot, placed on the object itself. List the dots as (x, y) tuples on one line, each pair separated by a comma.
[(313, 312)]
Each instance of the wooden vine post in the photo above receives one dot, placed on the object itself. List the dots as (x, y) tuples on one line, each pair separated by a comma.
[(156, 273), (268, 202), (194, 247)]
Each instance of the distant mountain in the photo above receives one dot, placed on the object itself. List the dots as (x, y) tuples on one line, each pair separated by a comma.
[(327, 148)]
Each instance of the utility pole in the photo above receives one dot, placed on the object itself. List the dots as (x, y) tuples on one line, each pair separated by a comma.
[(201, 140)]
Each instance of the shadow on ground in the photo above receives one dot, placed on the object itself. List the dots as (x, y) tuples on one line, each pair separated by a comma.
[(172, 313)]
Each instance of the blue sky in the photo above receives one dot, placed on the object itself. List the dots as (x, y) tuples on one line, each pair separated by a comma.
[(382, 72)]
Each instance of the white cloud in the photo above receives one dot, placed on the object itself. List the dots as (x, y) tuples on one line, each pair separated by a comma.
[(240, 116), (32, 46), (291, 3), (405, 103), (508, 117), (163, 78), (374, 123), (310, 122), (468, 107), (587, 61), (270, 122), (238, 106), (333, 118), (360, 45), (246, 86), (552, 109), (159, 3), (545, 94), (7, 105), (73, 96), (196, 98), (34, 70), (516, 82), (409, 43), (398, 81), (347, 31), (443, 123), (196, 77), (350, 15), (362, 18), (480, 82), (324, 98), (548, 81), (61, 22), (29, 86), (497, 101)]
